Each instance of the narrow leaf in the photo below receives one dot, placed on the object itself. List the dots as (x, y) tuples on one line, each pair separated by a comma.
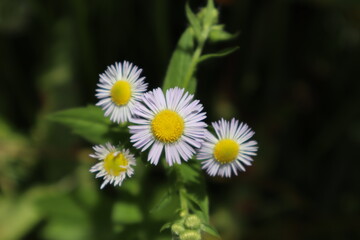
[(210, 230), (222, 53), (166, 226), (218, 34), (202, 203), (194, 21)]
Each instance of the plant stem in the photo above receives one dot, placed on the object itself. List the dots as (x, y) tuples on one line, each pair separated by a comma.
[(197, 54), (183, 200), (194, 61)]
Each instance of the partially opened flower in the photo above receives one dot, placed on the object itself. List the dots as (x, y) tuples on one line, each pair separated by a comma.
[(172, 122), (115, 164), (229, 150), (119, 90)]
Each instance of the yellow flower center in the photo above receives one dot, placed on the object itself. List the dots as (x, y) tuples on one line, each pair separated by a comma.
[(167, 126), (226, 151), (114, 163), (121, 92)]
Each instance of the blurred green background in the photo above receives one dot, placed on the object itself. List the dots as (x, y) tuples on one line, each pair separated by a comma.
[(295, 81)]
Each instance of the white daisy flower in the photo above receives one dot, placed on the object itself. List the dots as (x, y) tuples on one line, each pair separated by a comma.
[(114, 164), (172, 122), (119, 90), (229, 150)]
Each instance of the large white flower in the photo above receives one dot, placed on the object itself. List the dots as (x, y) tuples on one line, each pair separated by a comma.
[(119, 90), (114, 164), (172, 122), (229, 150)]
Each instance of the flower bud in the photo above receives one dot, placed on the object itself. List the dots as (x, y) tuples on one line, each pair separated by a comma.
[(177, 228), (190, 235), (183, 213), (192, 222)]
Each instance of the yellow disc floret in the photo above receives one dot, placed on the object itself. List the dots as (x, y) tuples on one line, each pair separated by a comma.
[(167, 126), (121, 92), (226, 151), (115, 163)]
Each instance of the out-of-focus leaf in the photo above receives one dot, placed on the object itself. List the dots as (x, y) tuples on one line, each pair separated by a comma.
[(192, 85), (132, 186), (165, 202), (194, 21), (180, 61), (218, 34), (66, 218), (18, 216), (89, 122), (61, 229), (165, 199), (87, 190), (126, 213), (222, 53), (166, 226), (209, 233)]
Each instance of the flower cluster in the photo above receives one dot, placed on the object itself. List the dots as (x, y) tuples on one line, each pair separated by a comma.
[(170, 122)]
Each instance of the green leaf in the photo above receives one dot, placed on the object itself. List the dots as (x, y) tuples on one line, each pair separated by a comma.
[(18, 216), (164, 201), (222, 53), (126, 213), (166, 226), (201, 201), (192, 85), (210, 230), (218, 34), (194, 21), (67, 219), (180, 61), (189, 173), (88, 122)]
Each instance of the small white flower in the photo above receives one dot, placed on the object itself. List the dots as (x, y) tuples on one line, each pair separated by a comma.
[(228, 150), (172, 122), (114, 164), (119, 90)]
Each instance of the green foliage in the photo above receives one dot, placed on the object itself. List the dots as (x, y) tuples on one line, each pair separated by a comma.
[(88, 122), (219, 54), (194, 21), (180, 62), (68, 213), (298, 63), (127, 213), (211, 231), (66, 218), (187, 54), (18, 216), (164, 201), (181, 72), (218, 34)]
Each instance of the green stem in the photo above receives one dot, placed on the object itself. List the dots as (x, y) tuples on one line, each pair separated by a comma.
[(194, 61), (183, 201), (197, 54)]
